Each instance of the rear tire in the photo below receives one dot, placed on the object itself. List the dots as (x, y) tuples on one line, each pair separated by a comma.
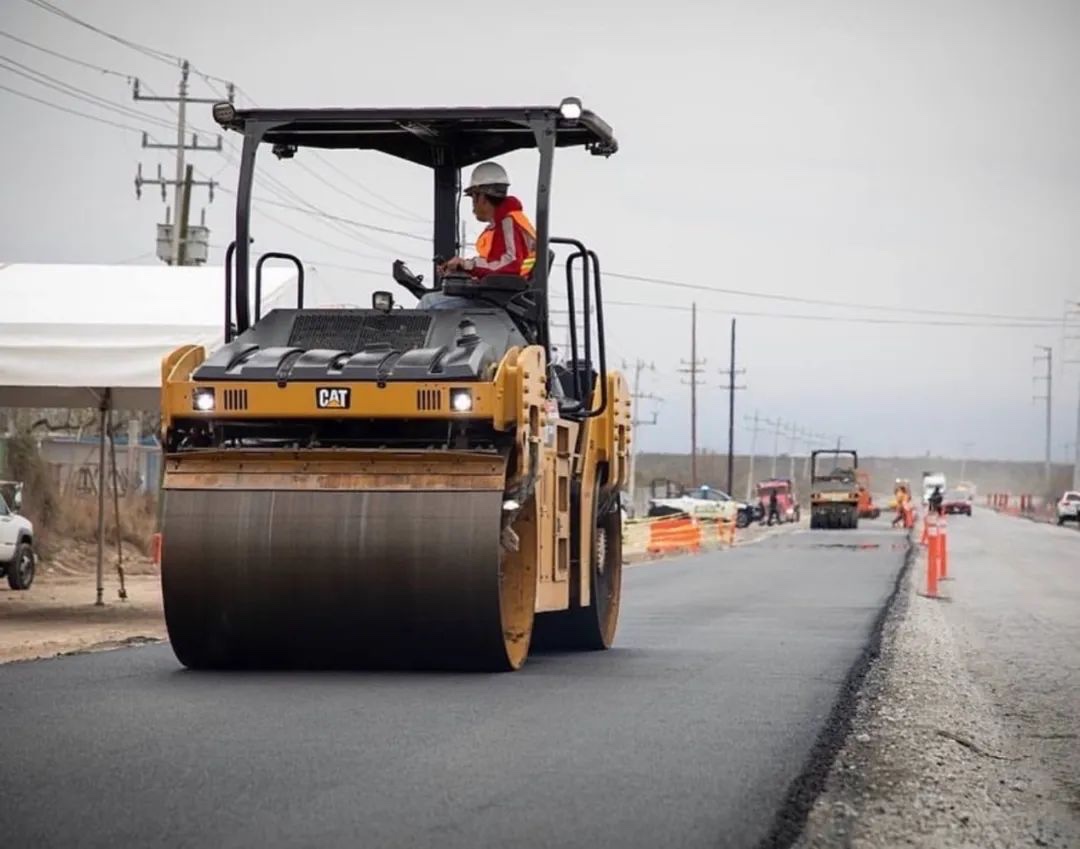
[(590, 628), (20, 573)]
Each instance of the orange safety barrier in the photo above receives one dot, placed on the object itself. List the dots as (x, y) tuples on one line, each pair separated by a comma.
[(724, 530), (676, 534)]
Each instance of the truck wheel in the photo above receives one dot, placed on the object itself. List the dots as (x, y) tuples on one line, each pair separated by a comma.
[(20, 574)]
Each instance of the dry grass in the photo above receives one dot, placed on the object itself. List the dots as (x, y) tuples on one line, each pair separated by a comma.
[(58, 518), (77, 519)]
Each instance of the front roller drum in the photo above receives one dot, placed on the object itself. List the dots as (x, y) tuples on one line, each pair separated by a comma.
[(358, 579)]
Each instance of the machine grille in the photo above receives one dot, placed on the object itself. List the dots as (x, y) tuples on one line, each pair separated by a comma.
[(428, 399), (235, 399), (352, 331)]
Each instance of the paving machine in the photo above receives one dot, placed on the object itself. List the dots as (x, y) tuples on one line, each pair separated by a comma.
[(834, 495), (389, 487)]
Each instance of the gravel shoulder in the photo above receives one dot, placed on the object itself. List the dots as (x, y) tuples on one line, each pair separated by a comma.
[(965, 732)]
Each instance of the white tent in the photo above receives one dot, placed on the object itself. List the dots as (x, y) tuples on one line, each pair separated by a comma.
[(68, 332), (95, 336)]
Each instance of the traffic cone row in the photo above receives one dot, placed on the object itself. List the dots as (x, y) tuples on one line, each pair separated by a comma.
[(936, 539)]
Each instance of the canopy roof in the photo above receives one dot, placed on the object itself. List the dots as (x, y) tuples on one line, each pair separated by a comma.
[(68, 332), (427, 136)]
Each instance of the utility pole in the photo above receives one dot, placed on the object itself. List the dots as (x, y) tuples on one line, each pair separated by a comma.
[(812, 441), (778, 427), (1046, 357), (1073, 310), (692, 368), (636, 422), (966, 447), (796, 432), (753, 450), (731, 389), (177, 253)]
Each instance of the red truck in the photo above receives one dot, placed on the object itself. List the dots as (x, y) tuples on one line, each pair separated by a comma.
[(786, 503)]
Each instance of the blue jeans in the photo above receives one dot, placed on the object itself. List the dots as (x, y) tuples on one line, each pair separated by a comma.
[(439, 301)]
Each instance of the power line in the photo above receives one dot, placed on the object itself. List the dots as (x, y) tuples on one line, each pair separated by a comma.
[(1029, 324), (159, 55), (74, 92), (318, 213), (405, 213), (107, 71), (305, 167), (699, 287), (146, 50), (338, 223), (312, 236), (345, 174), (60, 108)]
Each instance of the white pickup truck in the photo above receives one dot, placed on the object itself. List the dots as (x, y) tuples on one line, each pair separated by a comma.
[(16, 543), (1068, 508)]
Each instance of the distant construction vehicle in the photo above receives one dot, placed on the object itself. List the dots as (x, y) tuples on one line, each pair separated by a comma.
[(834, 495), (383, 487)]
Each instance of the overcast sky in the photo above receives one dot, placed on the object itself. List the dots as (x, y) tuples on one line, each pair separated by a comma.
[(901, 154)]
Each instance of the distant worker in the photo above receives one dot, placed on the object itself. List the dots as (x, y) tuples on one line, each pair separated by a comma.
[(901, 506), (774, 507), (936, 500)]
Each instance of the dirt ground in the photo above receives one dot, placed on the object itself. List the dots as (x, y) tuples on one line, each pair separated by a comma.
[(57, 615)]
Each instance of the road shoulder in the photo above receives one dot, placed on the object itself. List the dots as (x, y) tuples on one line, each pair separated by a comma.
[(929, 760)]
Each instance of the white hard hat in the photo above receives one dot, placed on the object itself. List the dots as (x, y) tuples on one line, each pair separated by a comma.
[(488, 175)]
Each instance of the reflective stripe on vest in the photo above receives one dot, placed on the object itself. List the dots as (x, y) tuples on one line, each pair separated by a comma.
[(487, 235)]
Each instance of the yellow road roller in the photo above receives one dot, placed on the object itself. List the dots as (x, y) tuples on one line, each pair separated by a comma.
[(398, 486)]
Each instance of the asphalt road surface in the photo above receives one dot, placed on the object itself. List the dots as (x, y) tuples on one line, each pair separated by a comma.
[(690, 732)]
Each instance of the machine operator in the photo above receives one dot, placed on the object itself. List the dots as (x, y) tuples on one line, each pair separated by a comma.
[(507, 244)]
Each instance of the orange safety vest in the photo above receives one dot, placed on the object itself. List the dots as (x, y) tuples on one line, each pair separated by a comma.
[(487, 235)]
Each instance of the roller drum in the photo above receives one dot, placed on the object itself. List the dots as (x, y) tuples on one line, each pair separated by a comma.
[(303, 578)]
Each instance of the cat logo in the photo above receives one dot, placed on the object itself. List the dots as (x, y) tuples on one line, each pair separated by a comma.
[(329, 398)]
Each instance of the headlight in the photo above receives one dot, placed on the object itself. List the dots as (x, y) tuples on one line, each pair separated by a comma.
[(570, 108), (224, 113), (461, 400), (203, 400)]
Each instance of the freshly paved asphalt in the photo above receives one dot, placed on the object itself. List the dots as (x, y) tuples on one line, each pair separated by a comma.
[(688, 733)]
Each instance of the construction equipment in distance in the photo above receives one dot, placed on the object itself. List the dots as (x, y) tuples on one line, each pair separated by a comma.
[(398, 488), (834, 495)]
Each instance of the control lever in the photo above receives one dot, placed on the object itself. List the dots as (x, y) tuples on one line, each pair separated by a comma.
[(412, 282)]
